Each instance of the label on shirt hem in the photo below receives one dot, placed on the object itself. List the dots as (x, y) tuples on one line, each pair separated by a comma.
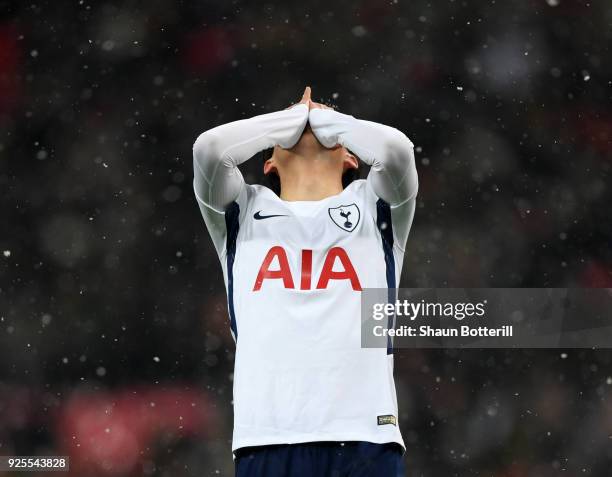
[(387, 419)]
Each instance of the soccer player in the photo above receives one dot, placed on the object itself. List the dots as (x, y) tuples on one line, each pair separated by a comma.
[(308, 399)]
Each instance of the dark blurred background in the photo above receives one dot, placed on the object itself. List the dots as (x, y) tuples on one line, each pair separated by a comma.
[(114, 339)]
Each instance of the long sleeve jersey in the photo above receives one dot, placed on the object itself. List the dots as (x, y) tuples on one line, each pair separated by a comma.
[(294, 272)]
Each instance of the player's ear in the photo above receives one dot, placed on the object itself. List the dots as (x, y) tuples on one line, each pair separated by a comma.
[(349, 161), (270, 166)]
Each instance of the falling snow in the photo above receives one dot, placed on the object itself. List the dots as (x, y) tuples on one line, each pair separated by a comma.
[(113, 305)]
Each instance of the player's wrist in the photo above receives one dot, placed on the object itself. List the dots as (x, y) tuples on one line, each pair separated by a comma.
[(301, 107), (289, 128), (325, 117), (329, 125)]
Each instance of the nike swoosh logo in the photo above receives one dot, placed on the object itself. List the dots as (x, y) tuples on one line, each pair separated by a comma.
[(258, 216)]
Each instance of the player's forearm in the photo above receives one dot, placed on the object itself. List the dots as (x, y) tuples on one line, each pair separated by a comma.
[(387, 150), (218, 151)]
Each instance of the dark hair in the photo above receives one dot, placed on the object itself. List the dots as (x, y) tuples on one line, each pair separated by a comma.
[(272, 181)]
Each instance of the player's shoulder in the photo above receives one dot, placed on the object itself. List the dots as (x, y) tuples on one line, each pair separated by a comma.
[(252, 194), (362, 189), (358, 186), (258, 191)]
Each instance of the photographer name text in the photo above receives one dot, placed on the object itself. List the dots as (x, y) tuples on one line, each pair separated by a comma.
[(426, 331)]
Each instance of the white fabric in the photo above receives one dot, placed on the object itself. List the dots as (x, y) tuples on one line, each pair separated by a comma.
[(389, 152), (300, 372), (218, 151)]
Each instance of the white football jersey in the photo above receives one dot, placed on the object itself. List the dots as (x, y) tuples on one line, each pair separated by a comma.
[(294, 272)]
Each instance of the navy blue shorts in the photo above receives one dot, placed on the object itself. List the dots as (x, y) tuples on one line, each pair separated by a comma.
[(321, 459)]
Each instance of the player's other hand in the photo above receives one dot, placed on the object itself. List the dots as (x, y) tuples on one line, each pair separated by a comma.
[(325, 127), (314, 105), (305, 98), (327, 137)]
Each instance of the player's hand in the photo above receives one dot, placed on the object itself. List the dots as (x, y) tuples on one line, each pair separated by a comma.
[(330, 142), (314, 105), (326, 127), (305, 98)]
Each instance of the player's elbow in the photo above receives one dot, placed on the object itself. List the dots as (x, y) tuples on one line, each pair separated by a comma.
[(399, 151), (206, 151), (400, 168)]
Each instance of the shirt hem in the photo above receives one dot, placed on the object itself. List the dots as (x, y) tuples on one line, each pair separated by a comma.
[(301, 439)]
